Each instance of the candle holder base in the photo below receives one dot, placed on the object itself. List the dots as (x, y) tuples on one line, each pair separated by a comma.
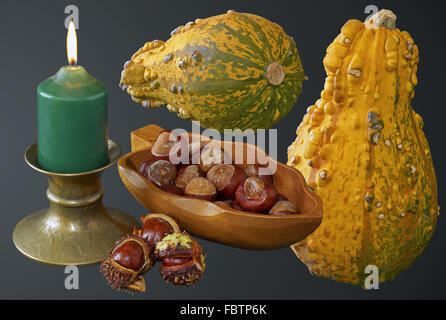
[(76, 229)]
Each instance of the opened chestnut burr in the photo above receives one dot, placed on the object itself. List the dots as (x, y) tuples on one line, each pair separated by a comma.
[(159, 239), (182, 259), (155, 227), (128, 259)]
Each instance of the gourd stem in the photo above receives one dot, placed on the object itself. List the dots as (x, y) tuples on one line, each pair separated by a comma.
[(383, 18), (275, 74)]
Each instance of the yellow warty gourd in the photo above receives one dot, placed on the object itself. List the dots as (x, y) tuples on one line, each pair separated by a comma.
[(362, 149)]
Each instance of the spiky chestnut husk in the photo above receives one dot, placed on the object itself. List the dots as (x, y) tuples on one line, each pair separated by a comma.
[(120, 277), (186, 274), (153, 233), (181, 245)]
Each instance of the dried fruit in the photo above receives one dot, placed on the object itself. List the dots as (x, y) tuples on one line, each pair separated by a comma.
[(226, 178), (128, 259), (182, 258), (200, 188), (255, 195), (283, 208)]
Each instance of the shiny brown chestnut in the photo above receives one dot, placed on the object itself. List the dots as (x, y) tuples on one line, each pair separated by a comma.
[(182, 259), (188, 150), (255, 194), (281, 197), (200, 188), (186, 173), (256, 169), (155, 227), (235, 205), (165, 140), (223, 204), (128, 259), (162, 173), (226, 178), (283, 207), (129, 255), (212, 154)]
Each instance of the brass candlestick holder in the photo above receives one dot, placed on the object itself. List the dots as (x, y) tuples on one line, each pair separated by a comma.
[(76, 229)]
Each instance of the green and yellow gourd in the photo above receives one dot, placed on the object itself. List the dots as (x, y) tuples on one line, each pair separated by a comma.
[(362, 149), (234, 70)]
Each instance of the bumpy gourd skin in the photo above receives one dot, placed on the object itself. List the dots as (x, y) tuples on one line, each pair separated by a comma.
[(362, 149), (234, 70)]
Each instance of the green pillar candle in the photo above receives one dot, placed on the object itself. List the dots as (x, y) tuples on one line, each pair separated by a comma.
[(72, 118), (72, 122)]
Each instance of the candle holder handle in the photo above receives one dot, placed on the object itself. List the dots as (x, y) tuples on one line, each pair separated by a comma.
[(76, 229)]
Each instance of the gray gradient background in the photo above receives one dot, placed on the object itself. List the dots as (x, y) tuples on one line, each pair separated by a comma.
[(32, 48)]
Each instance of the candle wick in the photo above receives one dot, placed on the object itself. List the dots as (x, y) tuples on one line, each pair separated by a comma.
[(72, 62)]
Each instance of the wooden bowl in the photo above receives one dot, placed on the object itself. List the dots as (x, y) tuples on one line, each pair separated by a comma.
[(228, 226)]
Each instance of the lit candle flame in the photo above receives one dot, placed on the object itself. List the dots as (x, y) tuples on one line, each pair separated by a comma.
[(72, 44)]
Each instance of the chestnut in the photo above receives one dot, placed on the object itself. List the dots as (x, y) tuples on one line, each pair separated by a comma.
[(200, 188), (128, 259), (186, 173), (235, 205), (175, 261), (144, 165), (254, 170), (223, 204), (255, 194), (155, 227), (162, 173), (129, 255), (182, 259), (165, 140), (212, 154), (283, 208), (188, 150), (281, 197), (226, 178)]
